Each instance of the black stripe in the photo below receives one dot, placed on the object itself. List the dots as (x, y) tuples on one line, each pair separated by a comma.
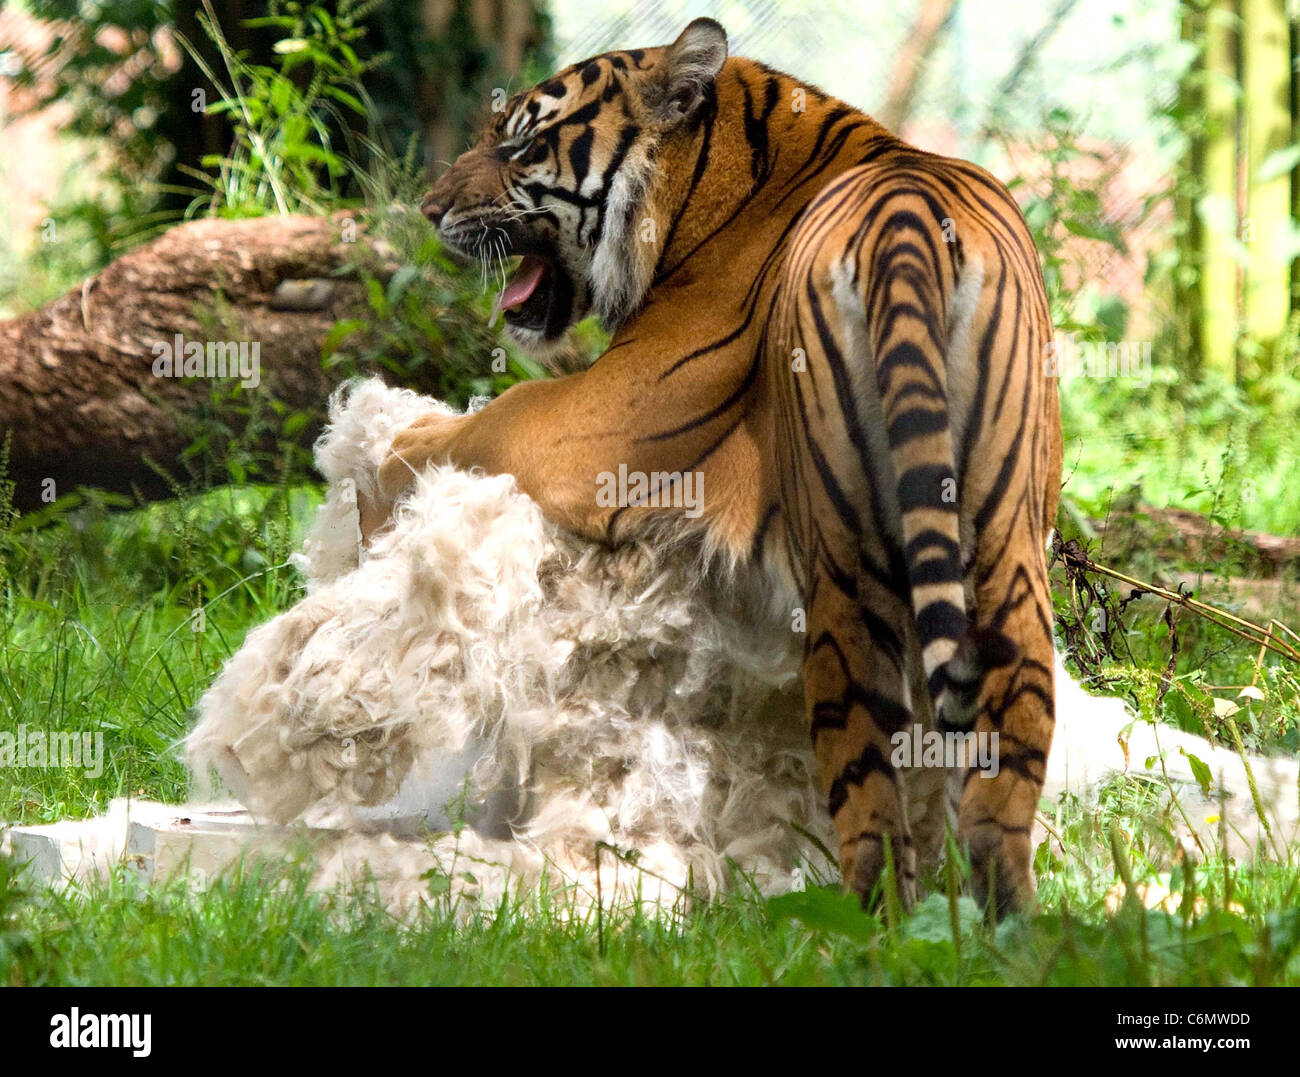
[(935, 570), (760, 535), (625, 139), (701, 163), (828, 715), (580, 155), (916, 423), (736, 394), (940, 620), (903, 355), (927, 540), (923, 487), (855, 773)]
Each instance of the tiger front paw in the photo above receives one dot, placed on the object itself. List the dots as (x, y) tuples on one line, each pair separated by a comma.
[(426, 441)]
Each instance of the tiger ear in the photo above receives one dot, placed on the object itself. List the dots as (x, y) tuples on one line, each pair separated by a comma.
[(686, 72)]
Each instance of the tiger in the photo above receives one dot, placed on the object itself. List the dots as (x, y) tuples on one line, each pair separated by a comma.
[(838, 335)]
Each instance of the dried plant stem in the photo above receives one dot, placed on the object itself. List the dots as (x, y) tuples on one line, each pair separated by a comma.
[(1247, 630)]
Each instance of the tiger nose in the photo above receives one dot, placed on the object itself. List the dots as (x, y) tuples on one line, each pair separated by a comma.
[(433, 208)]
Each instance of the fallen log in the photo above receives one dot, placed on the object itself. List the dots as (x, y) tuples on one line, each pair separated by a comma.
[(94, 388), (1174, 534)]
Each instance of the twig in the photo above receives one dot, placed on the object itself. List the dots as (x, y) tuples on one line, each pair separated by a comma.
[(1239, 626)]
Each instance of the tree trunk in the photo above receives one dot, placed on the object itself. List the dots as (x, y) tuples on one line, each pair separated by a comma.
[(931, 19), (1188, 308), (1219, 207), (89, 387), (1266, 105)]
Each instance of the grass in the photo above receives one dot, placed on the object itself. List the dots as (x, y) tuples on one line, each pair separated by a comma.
[(123, 933), (1207, 446), (115, 623), (99, 632)]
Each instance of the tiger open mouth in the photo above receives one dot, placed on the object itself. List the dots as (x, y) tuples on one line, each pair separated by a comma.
[(537, 297)]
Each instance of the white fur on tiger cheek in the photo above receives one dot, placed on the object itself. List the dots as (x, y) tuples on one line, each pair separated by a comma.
[(623, 265)]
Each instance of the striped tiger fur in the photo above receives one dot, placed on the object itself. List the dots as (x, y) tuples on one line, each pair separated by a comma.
[(840, 336)]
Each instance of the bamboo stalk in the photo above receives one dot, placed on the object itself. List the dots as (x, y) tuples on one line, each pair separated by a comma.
[(1218, 208), (1266, 93)]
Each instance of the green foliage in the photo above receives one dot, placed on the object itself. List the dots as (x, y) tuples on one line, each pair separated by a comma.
[(1204, 446), (1227, 924), (1061, 208), (1179, 438), (427, 323), (115, 622), (450, 76), (16, 951), (1173, 665), (286, 116), (311, 89)]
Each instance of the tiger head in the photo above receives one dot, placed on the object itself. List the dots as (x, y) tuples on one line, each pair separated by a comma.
[(565, 178)]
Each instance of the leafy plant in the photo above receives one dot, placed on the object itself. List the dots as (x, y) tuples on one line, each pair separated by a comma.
[(1062, 206), (288, 117)]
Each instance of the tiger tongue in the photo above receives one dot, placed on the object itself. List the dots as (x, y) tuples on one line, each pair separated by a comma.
[(524, 282)]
